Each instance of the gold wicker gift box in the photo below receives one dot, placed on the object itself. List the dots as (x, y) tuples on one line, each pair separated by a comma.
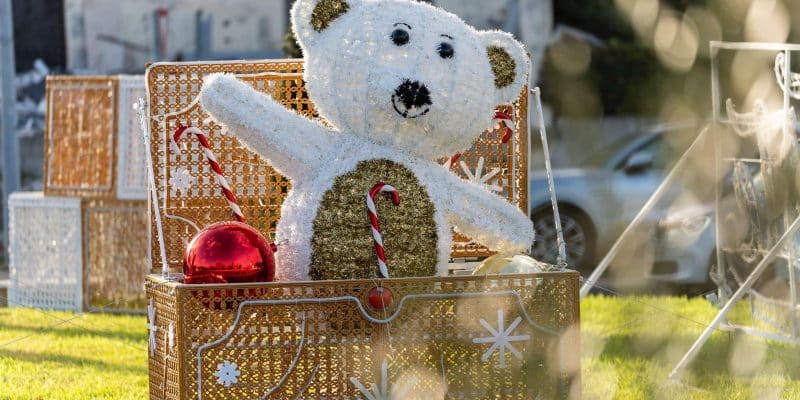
[(77, 254), (94, 185), (92, 141), (509, 336), (499, 337), (79, 136)]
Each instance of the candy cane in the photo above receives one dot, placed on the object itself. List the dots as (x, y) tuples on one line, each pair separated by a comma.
[(212, 161), (505, 123), (373, 220), (452, 160)]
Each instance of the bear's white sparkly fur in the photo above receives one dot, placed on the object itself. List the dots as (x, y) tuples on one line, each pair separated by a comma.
[(352, 68)]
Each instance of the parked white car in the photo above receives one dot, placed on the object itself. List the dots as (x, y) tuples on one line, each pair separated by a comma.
[(599, 198)]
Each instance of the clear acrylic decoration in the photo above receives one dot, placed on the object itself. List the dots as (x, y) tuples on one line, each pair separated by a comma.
[(757, 198)]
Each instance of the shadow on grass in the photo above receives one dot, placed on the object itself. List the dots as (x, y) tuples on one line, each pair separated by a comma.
[(715, 358), (73, 329), (71, 361)]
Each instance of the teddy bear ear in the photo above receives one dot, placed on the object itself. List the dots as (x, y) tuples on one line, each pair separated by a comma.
[(510, 64), (312, 17)]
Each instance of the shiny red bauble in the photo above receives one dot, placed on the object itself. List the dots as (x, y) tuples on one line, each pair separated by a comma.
[(229, 252), (380, 297)]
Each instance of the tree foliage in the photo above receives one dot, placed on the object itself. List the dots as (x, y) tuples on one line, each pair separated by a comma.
[(291, 49), (624, 74)]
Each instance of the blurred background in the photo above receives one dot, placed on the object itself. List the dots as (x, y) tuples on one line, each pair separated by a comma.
[(625, 86)]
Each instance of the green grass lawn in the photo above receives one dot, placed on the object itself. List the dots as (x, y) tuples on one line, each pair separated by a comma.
[(629, 346), (92, 356)]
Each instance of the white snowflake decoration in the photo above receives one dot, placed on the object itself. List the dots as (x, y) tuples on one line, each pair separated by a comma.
[(384, 392), (227, 373), (478, 178), (181, 180), (501, 339), (151, 326)]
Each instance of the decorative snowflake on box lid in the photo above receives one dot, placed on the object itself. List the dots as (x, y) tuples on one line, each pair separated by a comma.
[(384, 392), (227, 373), (181, 180), (501, 339), (479, 178)]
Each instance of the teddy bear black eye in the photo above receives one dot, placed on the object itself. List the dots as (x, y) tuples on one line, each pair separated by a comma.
[(446, 50), (400, 36)]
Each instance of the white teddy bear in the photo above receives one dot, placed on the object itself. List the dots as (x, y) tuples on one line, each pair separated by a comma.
[(402, 83)]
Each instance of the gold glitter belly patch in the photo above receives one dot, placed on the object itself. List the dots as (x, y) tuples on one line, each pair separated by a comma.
[(342, 243)]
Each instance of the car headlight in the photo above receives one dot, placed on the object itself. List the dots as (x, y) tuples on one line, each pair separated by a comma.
[(692, 224), (696, 224)]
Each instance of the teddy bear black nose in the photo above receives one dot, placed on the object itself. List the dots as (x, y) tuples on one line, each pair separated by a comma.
[(413, 94)]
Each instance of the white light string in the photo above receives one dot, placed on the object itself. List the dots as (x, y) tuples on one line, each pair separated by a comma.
[(143, 112)]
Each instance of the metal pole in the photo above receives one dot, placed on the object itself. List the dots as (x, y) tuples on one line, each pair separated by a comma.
[(715, 103), (759, 269), (651, 202), (8, 99), (788, 131), (551, 187), (528, 132)]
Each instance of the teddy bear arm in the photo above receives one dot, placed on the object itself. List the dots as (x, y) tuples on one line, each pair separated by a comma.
[(291, 143), (486, 217)]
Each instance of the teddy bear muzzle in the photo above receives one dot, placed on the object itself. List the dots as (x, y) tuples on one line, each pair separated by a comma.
[(411, 99)]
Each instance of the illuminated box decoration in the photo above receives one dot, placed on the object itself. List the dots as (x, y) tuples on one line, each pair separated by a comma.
[(509, 336), (92, 137), (69, 253)]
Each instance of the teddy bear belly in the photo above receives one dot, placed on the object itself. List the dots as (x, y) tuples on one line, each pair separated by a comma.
[(342, 244)]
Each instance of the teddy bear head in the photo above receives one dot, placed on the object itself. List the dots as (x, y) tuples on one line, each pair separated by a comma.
[(405, 73)]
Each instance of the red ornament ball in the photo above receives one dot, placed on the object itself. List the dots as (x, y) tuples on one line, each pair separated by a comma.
[(229, 252), (380, 297)]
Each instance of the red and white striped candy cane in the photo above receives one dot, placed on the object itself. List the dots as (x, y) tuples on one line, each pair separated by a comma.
[(373, 220), (212, 161), (452, 160), (506, 123)]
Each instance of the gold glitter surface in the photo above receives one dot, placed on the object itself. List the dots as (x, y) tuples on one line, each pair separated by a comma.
[(342, 243), (327, 11), (503, 66)]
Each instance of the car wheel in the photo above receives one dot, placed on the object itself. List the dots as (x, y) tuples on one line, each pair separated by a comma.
[(579, 236)]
